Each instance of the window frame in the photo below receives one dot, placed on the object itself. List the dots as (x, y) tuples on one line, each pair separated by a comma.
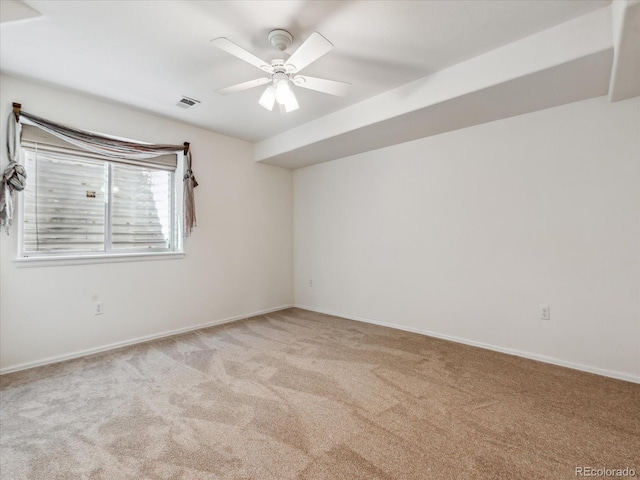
[(108, 254)]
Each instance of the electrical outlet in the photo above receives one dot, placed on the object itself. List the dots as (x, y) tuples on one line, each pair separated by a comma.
[(545, 312), (98, 308), (311, 283)]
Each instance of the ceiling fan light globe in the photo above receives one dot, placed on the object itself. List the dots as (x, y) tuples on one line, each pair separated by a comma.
[(268, 98), (292, 103), (283, 91)]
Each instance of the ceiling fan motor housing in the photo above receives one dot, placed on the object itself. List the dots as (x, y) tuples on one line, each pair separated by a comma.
[(280, 39), (284, 72)]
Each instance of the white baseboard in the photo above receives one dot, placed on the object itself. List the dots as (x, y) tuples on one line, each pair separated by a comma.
[(133, 341), (519, 353)]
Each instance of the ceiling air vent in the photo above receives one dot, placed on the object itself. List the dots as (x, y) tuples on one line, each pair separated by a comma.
[(186, 102)]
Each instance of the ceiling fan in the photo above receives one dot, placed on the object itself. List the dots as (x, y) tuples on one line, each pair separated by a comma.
[(283, 73)]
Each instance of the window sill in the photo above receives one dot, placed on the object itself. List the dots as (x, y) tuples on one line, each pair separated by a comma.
[(63, 260)]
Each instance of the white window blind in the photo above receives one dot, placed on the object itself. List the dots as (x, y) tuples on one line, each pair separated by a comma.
[(59, 213), (141, 208), (79, 203)]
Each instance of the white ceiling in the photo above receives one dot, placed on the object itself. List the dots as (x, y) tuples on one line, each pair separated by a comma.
[(147, 54)]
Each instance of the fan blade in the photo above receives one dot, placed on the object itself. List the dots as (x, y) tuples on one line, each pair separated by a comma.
[(332, 87), (230, 47), (311, 50), (243, 86)]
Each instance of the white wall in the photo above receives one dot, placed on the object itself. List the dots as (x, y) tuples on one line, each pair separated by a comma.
[(460, 235), (238, 261), (465, 234)]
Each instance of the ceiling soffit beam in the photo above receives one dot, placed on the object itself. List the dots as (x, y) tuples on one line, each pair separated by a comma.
[(14, 10), (586, 36), (625, 74), (553, 87)]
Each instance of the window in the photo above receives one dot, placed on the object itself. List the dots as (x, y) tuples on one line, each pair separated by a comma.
[(80, 204)]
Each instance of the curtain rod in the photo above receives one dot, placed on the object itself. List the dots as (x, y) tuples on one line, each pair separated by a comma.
[(16, 110)]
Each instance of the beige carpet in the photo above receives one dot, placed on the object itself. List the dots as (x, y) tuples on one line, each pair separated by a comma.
[(301, 395)]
